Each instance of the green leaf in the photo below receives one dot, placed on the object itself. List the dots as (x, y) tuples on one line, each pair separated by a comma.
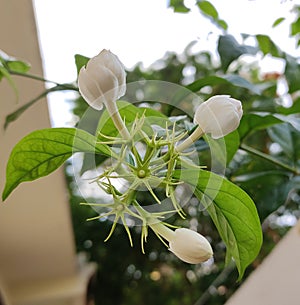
[(267, 46), (12, 64), (222, 24), (241, 82), (232, 211), (222, 150), (43, 151), (18, 66), (295, 108), (277, 22), (208, 9), (5, 73), (8, 65), (268, 188), (206, 81), (292, 72), (229, 50), (230, 79), (178, 6), (80, 61), (295, 27), (281, 134), (251, 122)]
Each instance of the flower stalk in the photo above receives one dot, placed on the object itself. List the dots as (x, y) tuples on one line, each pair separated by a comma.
[(116, 118), (196, 134)]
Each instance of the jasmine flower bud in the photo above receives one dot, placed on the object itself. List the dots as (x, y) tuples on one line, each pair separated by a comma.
[(103, 80), (188, 245), (219, 115)]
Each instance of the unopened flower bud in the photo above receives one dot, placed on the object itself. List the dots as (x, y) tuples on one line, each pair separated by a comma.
[(219, 115), (190, 246), (102, 80)]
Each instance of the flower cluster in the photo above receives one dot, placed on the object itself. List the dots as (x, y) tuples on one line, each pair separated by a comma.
[(101, 82)]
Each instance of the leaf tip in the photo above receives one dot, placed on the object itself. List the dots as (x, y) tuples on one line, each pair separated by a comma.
[(5, 194)]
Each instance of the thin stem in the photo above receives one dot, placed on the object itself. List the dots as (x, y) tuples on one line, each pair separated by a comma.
[(198, 132), (162, 230), (269, 158), (112, 109), (39, 78)]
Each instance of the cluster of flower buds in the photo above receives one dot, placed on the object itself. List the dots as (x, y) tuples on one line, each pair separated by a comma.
[(101, 82)]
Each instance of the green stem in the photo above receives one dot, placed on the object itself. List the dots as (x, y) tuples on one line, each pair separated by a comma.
[(198, 132), (39, 78), (162, 230), (113, 111), (155, 224), (269, 158)]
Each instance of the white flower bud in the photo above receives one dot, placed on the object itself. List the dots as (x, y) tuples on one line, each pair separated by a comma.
[(219, 115), (102, 80), (190, 246)]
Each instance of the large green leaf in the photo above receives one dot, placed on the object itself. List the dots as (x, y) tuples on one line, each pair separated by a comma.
[(43, 151), (232, 211)]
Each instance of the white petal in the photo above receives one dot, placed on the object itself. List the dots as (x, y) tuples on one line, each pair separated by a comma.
[(219, 115), (111, 61), (89, 89), (190, 246)]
